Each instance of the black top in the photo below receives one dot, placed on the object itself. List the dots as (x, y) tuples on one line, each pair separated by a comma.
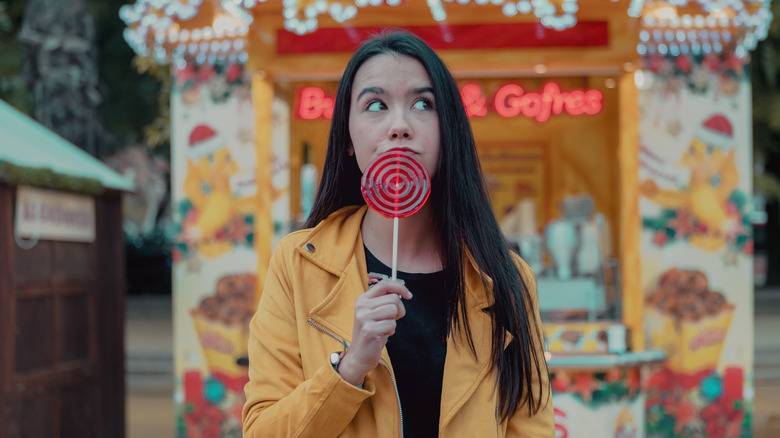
[(418, 348)]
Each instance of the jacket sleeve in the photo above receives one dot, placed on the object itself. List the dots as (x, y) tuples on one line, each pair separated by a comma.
[(541, 424), (280, 402)]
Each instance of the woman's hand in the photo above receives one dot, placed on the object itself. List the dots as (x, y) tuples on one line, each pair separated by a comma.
[(376, 312)]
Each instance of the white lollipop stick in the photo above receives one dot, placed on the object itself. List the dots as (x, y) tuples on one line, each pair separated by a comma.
[(395, 246)]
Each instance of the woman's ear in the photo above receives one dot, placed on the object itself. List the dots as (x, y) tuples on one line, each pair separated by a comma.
[(350, 150)]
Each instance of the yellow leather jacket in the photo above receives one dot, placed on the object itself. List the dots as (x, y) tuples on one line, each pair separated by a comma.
[(307, 309)]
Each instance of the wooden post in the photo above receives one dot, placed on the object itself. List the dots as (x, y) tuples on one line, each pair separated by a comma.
[(262, 100), (630, 222)]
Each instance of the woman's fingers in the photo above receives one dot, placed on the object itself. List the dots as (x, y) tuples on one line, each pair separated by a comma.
[(391, 307), (393, 311), (378, 330), (376, 312), (386, 328), (385, 287)]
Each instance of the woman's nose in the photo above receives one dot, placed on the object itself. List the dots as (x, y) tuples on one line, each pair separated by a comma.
[(400, 128), (400, 133)]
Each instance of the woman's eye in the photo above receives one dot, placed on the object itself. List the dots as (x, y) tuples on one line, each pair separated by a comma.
[(375, 105), (423, 104)]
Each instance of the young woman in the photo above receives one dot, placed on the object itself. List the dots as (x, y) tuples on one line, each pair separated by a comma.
[(333, 351)]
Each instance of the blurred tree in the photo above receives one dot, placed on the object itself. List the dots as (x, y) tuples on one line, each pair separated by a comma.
[(137, 92), (12, 87), (60, 68), (120, 101), (5, 20), (766, 154), (158, 133), (766, 111)]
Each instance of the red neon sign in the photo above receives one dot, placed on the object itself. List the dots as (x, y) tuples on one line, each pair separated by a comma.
[(511, 100), (313, 104), (473, 100)]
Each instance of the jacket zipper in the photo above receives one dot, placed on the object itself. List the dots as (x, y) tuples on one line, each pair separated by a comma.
[(322, 330), (392, 378), (397, 396)]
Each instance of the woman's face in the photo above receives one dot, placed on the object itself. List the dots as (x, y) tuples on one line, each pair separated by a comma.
[(393, 107)]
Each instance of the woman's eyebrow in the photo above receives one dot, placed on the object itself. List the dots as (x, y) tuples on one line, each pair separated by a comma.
[(420, 90), (374, 90)]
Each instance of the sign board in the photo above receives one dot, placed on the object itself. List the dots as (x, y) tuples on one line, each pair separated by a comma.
[(50, 215)]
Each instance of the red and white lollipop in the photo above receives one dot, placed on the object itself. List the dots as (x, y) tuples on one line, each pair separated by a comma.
[(395, 185)]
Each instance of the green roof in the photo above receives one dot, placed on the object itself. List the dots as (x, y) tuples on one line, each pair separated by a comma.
[(32, 154)]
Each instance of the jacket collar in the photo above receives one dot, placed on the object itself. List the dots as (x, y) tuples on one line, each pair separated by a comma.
[(340, 239), (336, 246), (331, 244)]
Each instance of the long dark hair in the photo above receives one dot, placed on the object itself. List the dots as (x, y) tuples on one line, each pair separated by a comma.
[(462, 215)]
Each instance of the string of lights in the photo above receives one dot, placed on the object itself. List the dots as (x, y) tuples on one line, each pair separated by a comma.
[(153, 26)]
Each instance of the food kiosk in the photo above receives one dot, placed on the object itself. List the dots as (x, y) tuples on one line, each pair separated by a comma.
[(615, 141)]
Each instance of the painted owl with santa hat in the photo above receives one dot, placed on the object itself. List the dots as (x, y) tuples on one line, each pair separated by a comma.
[(710, 158), (210, 185)]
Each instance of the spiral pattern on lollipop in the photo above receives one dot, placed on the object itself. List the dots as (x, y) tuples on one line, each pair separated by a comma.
[(396, 184)]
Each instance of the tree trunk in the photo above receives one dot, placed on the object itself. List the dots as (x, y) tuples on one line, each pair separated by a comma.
[(61, 69)]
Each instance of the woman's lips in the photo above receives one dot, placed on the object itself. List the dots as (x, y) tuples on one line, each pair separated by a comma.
[(407, 150)]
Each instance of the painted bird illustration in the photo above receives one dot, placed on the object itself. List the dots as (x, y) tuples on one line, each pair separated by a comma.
[(713, 178)]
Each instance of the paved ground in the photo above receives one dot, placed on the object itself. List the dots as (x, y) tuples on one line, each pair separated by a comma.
[(766, 416), (149, 342), (149, 364)]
